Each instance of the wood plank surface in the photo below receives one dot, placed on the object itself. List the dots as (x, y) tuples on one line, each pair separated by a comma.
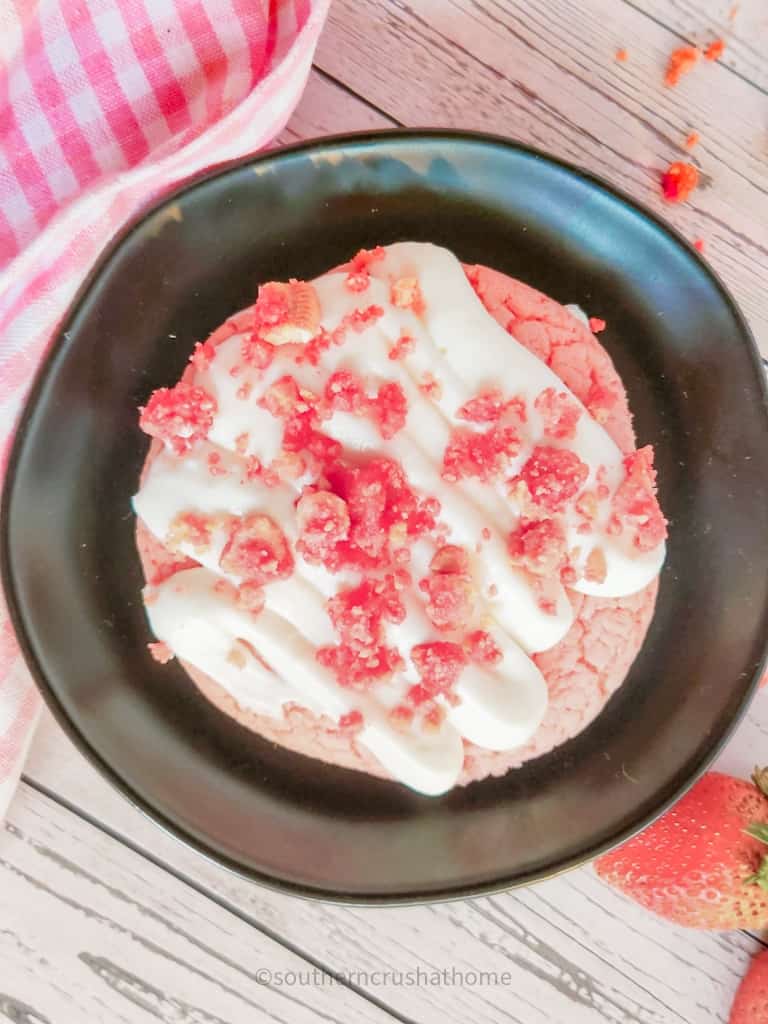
[(543, 71), (91, 931), (699, 21), (575, 951)]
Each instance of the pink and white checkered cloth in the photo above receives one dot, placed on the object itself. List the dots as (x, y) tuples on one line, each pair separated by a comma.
[(104, 104)]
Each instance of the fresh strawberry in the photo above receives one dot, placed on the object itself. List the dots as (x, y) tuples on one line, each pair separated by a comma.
[(703, 863), (751, 1003)]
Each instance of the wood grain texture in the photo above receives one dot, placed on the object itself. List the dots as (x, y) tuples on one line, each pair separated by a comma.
[(575, 950), (91, 931), (700, 21), (327, 109), (543, 71)]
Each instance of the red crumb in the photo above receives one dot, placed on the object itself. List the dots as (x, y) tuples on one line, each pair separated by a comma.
[(559, 412), (596, 324), (431, 387), (241, 443), (357, 615), (257, 550), (180, 416), (380, 503), (202, 356), (352, 721), (400, 717), (622, 55), (251, 597), (554, 476), (406, 294), (358, 276), (517, 407), (389, 409), (345, 391), (433, 717), (450, 559), (486, 407), (357, 282), (678, 181), (634, 503), (356, 669), (482, 648), (698, 244), (253, 467), (256, 351), (733, 12), (357, 321), (272, 306), (681, 61), (313, 350), (439, 665), (538, 546), (692, 140), (288, 466), (214, 465), (284, 399), (483, 455), (715, 50), (596, 568), (450, 600), (193, 528), (160, 652), (323, 521), (167, 569), (402, 347)]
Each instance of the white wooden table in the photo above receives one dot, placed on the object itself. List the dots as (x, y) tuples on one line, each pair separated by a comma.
[(104, 917)]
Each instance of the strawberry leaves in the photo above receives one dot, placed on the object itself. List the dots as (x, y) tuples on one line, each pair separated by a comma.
[(760, 877)]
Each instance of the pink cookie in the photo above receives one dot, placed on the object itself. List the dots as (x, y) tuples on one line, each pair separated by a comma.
[(589, 663)]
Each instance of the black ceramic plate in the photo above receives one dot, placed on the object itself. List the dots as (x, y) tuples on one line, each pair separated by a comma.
[(72, 576)]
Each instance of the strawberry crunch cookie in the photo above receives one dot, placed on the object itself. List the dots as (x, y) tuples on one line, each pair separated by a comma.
[(394, 519)]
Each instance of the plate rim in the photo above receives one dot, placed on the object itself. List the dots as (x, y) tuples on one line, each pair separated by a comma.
[(356, 140)]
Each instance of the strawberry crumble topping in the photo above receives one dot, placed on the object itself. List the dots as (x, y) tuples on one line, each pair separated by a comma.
[(450, 600), (678, 181), (715, 50), (358, 276), (482, 648), (554, 476), (402, 347), (559, 412), (634, 503), (352, 721), (406, 294), (482, 455), (439, 665), (180, 416), (257, 550), (388, 409), (357, 614), (681, 61), (538, 546)]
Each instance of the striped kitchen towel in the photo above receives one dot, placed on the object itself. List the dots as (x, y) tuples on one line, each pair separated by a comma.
[(104, 105)]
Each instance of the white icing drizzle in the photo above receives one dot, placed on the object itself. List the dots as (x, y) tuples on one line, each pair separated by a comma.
[(464, 348)]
